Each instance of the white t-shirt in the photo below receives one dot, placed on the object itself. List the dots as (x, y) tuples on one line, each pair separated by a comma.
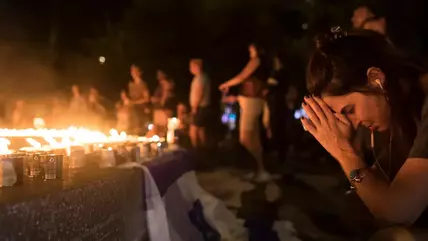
[(204, 81)]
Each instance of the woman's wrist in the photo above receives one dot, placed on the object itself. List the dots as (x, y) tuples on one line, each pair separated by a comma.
[(350, 160)]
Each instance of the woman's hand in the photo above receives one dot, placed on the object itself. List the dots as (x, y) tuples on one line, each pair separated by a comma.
[(333, 131)]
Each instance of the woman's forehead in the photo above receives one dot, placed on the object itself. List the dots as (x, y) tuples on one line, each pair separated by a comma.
[(336, 103)]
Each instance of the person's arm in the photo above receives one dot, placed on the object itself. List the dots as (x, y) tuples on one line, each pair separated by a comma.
[(155, 97), (146, 94), (248, 70), (403, 201)]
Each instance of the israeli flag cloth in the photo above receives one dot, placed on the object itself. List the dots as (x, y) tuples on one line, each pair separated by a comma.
[(178, 209)]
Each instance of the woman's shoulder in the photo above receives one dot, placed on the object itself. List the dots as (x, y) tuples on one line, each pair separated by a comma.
[(420, 145), (425, 110)]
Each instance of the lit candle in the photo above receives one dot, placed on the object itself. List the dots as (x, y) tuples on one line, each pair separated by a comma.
[(107, 158), (173, 124)]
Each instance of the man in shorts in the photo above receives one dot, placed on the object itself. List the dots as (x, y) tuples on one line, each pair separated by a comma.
[(200, 98)]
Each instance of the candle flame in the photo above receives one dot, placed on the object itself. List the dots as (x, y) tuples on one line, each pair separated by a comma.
[(4, 146), (35, 144)]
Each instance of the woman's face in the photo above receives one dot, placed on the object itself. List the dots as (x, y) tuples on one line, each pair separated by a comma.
[(369, 110), (136, 72)]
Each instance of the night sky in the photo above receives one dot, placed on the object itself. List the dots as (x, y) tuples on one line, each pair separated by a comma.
[(165, 34)]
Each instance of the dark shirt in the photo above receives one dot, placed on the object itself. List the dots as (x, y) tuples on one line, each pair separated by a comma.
[(281, 78), (255, 85), (420, 145), (390, 164)]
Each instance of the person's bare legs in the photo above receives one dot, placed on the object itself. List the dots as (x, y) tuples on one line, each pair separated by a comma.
[(193, 134), (250, 140), (201, 136)]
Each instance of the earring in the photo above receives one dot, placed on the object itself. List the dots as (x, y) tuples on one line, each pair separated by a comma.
[(380, 84)]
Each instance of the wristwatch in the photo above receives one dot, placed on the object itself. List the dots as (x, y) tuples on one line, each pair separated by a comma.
[(357, 176)]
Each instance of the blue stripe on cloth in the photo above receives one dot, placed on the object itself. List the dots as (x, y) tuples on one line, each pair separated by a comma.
[(197, 217), (169, 167)]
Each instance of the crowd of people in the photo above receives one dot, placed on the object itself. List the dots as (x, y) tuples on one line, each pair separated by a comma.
[(79, 110)]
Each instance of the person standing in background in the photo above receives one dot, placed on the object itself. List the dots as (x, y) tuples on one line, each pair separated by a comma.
[(140, 98), (163, 101), (253, 81), (78, 106), (377, 24), (96, 108), (200, 100), (2, 108), (124, 114), (279, 116), (56, 115), (360, 16), (19, 117)]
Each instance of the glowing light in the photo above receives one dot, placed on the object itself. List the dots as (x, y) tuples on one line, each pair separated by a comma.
[(4, 146), (102, 59), (305, 26), (39, 123), (155, 138), (34, 143)]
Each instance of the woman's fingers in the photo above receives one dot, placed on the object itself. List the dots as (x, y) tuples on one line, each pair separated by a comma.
[(316, 109), (308, 125), (311, 114), (326, 109)]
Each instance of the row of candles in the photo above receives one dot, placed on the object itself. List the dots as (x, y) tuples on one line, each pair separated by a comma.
[(71, 148)]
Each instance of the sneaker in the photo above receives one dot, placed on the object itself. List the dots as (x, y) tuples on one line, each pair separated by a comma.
[(263, 177)]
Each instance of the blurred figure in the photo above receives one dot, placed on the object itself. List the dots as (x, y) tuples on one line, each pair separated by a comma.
[(377, 24), (253, 80), (56, 115), (183, 115), (2, 109), (78, 103), (280, 117), (78, 106), (19, 116), (95, 107), (361, 14), (200, 100), (140, 98), (161, 76), (124, 112), (163, 102)]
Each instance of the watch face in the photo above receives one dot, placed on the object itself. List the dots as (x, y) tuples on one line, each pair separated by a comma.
[(354, 175)]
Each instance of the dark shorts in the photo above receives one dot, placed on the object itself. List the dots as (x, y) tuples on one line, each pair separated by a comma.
[(201, 118)]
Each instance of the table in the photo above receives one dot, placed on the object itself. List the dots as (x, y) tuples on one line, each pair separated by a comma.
[(88, 204)]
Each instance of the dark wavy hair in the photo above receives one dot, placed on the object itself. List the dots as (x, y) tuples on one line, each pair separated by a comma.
[(339, 65)]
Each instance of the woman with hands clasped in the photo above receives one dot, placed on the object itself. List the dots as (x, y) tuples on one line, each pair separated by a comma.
[(356, 79), (253, 81)]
